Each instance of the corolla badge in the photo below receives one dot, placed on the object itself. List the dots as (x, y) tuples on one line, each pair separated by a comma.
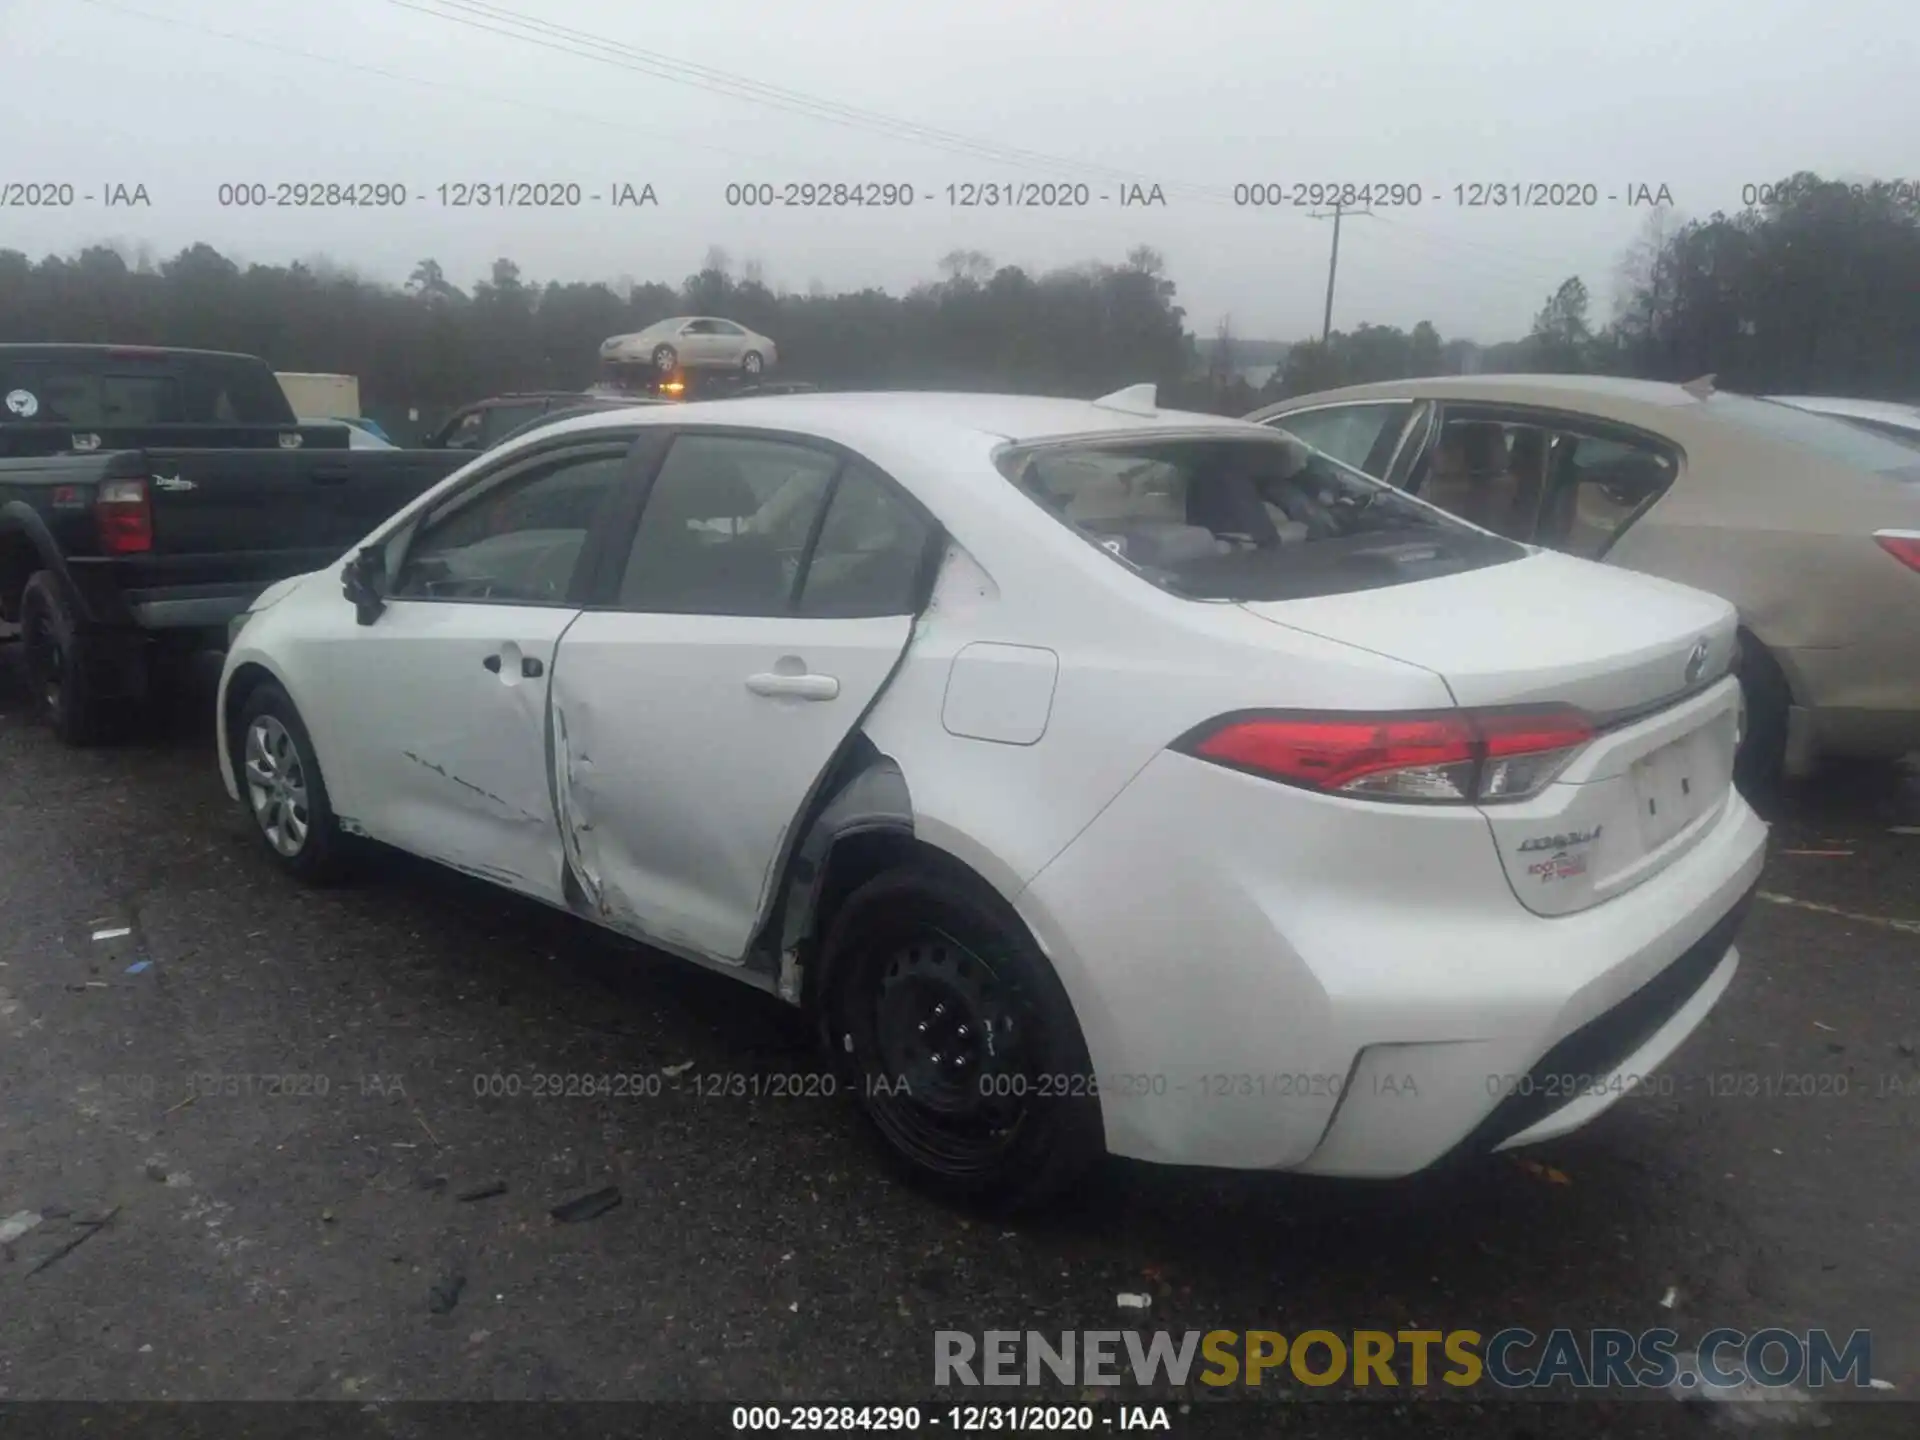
[(1696, 661), (1559, 842)]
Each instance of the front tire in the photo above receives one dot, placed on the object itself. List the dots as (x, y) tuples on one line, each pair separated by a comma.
[(283, 791), (959, 1041), (665, 359), (58, 658)]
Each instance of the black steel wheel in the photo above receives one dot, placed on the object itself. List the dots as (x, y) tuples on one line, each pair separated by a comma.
[(959, 1041)]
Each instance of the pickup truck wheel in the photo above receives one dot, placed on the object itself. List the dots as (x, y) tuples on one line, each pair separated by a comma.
[(959, 1042), (55, 649), (284, 792)]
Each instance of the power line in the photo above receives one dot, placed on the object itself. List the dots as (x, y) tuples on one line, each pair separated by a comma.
[(493, 19)]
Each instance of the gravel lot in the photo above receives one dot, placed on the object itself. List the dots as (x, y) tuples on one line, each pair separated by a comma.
[(303, 1238)]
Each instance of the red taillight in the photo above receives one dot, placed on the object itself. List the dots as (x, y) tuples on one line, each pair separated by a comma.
[(124, 514), (1903, 545), (1458, 756)]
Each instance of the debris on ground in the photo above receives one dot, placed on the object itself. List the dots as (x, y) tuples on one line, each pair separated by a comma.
[(138, 966), (1128, 1301), (446, 1294), (1544, 1172), (586, 1207), (156, 1173), (326, 1217), (113, 934), (1666, 1300), (480, 1192), (18, 1224), (430, 1182), (88, 1229), (675, 1071)]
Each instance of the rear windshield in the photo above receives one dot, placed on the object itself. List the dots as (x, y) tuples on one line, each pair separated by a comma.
[(1824, 435), (107, 390), (1260, 517)]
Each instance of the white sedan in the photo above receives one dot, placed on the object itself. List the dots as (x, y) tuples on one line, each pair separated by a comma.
[(1101, 778), (691, 342)]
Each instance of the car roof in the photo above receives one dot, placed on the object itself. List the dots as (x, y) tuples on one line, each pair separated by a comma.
[(1520, 389), (850, 417), (39, 349)]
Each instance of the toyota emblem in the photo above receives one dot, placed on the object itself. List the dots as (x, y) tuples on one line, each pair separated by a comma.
[(1696, 661)]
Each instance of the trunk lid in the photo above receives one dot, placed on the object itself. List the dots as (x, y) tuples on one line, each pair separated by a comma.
[(1545, 628), (1646, 659)]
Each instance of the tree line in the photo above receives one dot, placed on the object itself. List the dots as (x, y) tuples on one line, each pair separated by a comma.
[(1816, 289)]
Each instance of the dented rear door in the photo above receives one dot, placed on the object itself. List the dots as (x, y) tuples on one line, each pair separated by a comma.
[(766, 601)]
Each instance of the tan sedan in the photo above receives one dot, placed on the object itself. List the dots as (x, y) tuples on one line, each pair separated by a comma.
[(1810, 525)]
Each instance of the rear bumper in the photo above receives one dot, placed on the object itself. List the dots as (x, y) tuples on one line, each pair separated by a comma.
[(192, 607), (1290, 981)]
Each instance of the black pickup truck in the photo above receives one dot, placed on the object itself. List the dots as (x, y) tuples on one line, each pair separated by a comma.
[(147, 496)]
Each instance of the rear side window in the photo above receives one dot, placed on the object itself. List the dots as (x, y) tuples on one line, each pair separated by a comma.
[(725, 526), (1824, 435), (1362, 436), (1231, 517), (868, 558), (231, 392)]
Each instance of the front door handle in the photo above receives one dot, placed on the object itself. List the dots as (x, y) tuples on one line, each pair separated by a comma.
[(803, 687)]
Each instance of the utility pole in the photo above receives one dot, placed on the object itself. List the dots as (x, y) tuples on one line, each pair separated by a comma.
[(1333, 261)]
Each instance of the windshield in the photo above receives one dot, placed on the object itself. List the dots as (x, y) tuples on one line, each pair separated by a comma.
[(1245, 517), (1835, 439)]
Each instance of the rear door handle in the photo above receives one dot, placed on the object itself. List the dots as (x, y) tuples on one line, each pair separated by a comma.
[(803, 687)]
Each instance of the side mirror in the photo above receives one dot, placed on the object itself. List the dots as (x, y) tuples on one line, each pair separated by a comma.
[(364, 582)]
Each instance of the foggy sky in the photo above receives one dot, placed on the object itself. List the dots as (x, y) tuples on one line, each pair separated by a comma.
[(1700, 95)]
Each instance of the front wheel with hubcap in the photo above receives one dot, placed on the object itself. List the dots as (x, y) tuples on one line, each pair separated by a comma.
[(281, 786), (665, 359), (960, 1041)]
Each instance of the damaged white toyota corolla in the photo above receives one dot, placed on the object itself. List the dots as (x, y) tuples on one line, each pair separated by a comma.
[(1102, 778)]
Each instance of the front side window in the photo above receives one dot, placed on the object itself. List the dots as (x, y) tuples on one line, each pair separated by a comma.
[(517, 542), (467, 430), (1236, 518)]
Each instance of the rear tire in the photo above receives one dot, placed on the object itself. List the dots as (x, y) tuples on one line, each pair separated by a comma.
[(751, 364), (959, 1042), (283, 791), (1759, 765), (58, 656)]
